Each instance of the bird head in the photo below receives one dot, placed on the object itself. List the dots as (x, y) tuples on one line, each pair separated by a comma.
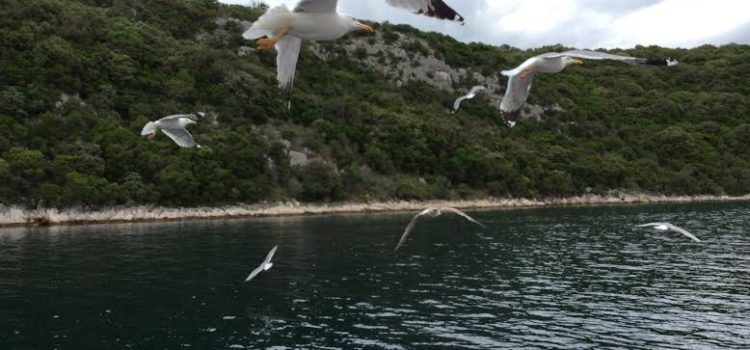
[(571, 61), (355, 25)]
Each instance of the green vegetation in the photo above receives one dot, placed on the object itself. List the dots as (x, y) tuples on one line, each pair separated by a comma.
[(684, 130)]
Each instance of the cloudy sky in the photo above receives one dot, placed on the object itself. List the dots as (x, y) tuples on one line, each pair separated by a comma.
[(576, 23)]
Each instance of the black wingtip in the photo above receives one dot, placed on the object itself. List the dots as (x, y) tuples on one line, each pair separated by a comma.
[(439, 9)]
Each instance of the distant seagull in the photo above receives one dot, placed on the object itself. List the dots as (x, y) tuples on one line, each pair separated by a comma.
[(520, 78), (469, 96), (433, 213), (265, 266), (174, 126), (665, 226)]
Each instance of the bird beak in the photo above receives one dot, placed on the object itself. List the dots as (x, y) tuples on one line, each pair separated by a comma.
[(365, 27), (578, 62), (192, 122)]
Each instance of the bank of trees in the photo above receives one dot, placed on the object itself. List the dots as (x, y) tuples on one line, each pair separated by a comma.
[(683, 130)]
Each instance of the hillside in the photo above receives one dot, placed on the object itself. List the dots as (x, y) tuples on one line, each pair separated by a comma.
[(369, 120)]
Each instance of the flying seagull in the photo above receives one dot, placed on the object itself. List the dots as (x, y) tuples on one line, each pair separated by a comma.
[(472, 93), (433, 213), (174, 126), (265, 266), (318, 20), (520, 78), (665, 226)]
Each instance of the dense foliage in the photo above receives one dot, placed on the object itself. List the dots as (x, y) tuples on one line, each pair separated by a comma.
[(684, 130)]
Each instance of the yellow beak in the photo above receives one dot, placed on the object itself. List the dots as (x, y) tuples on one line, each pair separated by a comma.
[(365, 27), (578, 62)]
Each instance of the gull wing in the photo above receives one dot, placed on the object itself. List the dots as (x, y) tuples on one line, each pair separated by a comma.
[(431, 8), (596, 55), (316, 6), (286, 62), (516, 95), (466, 216), (472, 93), (180, 136), (683, 231), (457, 104), (409, 228), (254, 273), (270, 256), (653, 224)]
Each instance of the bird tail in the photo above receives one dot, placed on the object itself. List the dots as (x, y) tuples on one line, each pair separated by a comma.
[(149, 129), (269, 24)]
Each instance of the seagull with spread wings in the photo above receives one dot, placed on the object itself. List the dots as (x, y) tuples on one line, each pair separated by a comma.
[(665, 226), (265, 266), (520, 78), (433, 213), (318, 20), (472, 93), (174, 126)]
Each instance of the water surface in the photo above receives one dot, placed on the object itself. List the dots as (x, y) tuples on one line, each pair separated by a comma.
[(576, 278)]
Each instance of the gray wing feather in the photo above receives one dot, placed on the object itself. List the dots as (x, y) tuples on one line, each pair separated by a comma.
[(180, 136), (596, 55), (431, 8), (409, 228), (683, 231), (254, 273), (316, 6), (653, 224), (286, 60), (516, 94), (466, 216), (270, 255)]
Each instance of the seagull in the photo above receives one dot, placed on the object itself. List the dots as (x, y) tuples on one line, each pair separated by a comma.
[(317, 20), (433, 213), (520, 78), (174, 126), (472, 93), (265, 266), (665, 226)]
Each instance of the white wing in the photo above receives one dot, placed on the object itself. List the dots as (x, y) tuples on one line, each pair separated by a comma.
[(148, 129), (515, 97), (316, 6), (270, 256), (286, 61), (254, 273), (409, 228), (192, 116), (595, 55), (472, 93), (653, 224), (684, 232), (456, 211), (180, 136), (431, 8)]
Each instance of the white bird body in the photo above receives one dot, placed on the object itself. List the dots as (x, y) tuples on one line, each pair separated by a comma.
[(433, 213), (520, 78), (665, 226), (265, 266), (174, 126)]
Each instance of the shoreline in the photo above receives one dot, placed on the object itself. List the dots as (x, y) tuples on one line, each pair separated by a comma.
[(18, 217)]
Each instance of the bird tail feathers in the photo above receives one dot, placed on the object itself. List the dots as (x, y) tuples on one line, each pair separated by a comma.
[(269, 24)]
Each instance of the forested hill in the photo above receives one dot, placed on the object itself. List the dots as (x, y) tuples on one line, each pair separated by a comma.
[(369, 119)]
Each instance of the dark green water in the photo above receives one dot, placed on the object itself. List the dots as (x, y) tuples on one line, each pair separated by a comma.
[(537, 279)]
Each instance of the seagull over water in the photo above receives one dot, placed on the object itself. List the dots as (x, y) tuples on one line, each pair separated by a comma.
[(665, 226), (433, 213), (265, 266), (318, 20), (520, 78), (472, 93), (174, 126)]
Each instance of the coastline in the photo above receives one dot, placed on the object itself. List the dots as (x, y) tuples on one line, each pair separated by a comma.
[(15, 216)]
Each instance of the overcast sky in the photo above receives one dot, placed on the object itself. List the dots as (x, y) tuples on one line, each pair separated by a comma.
[(575, 23)]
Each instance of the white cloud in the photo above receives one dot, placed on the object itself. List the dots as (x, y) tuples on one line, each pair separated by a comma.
[(576, 23)]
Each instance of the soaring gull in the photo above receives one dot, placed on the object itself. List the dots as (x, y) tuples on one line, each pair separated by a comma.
[(520, 78), (472, 93), (174, 126), (665, 226), (433, 213), (265, 266), (318, 20)]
